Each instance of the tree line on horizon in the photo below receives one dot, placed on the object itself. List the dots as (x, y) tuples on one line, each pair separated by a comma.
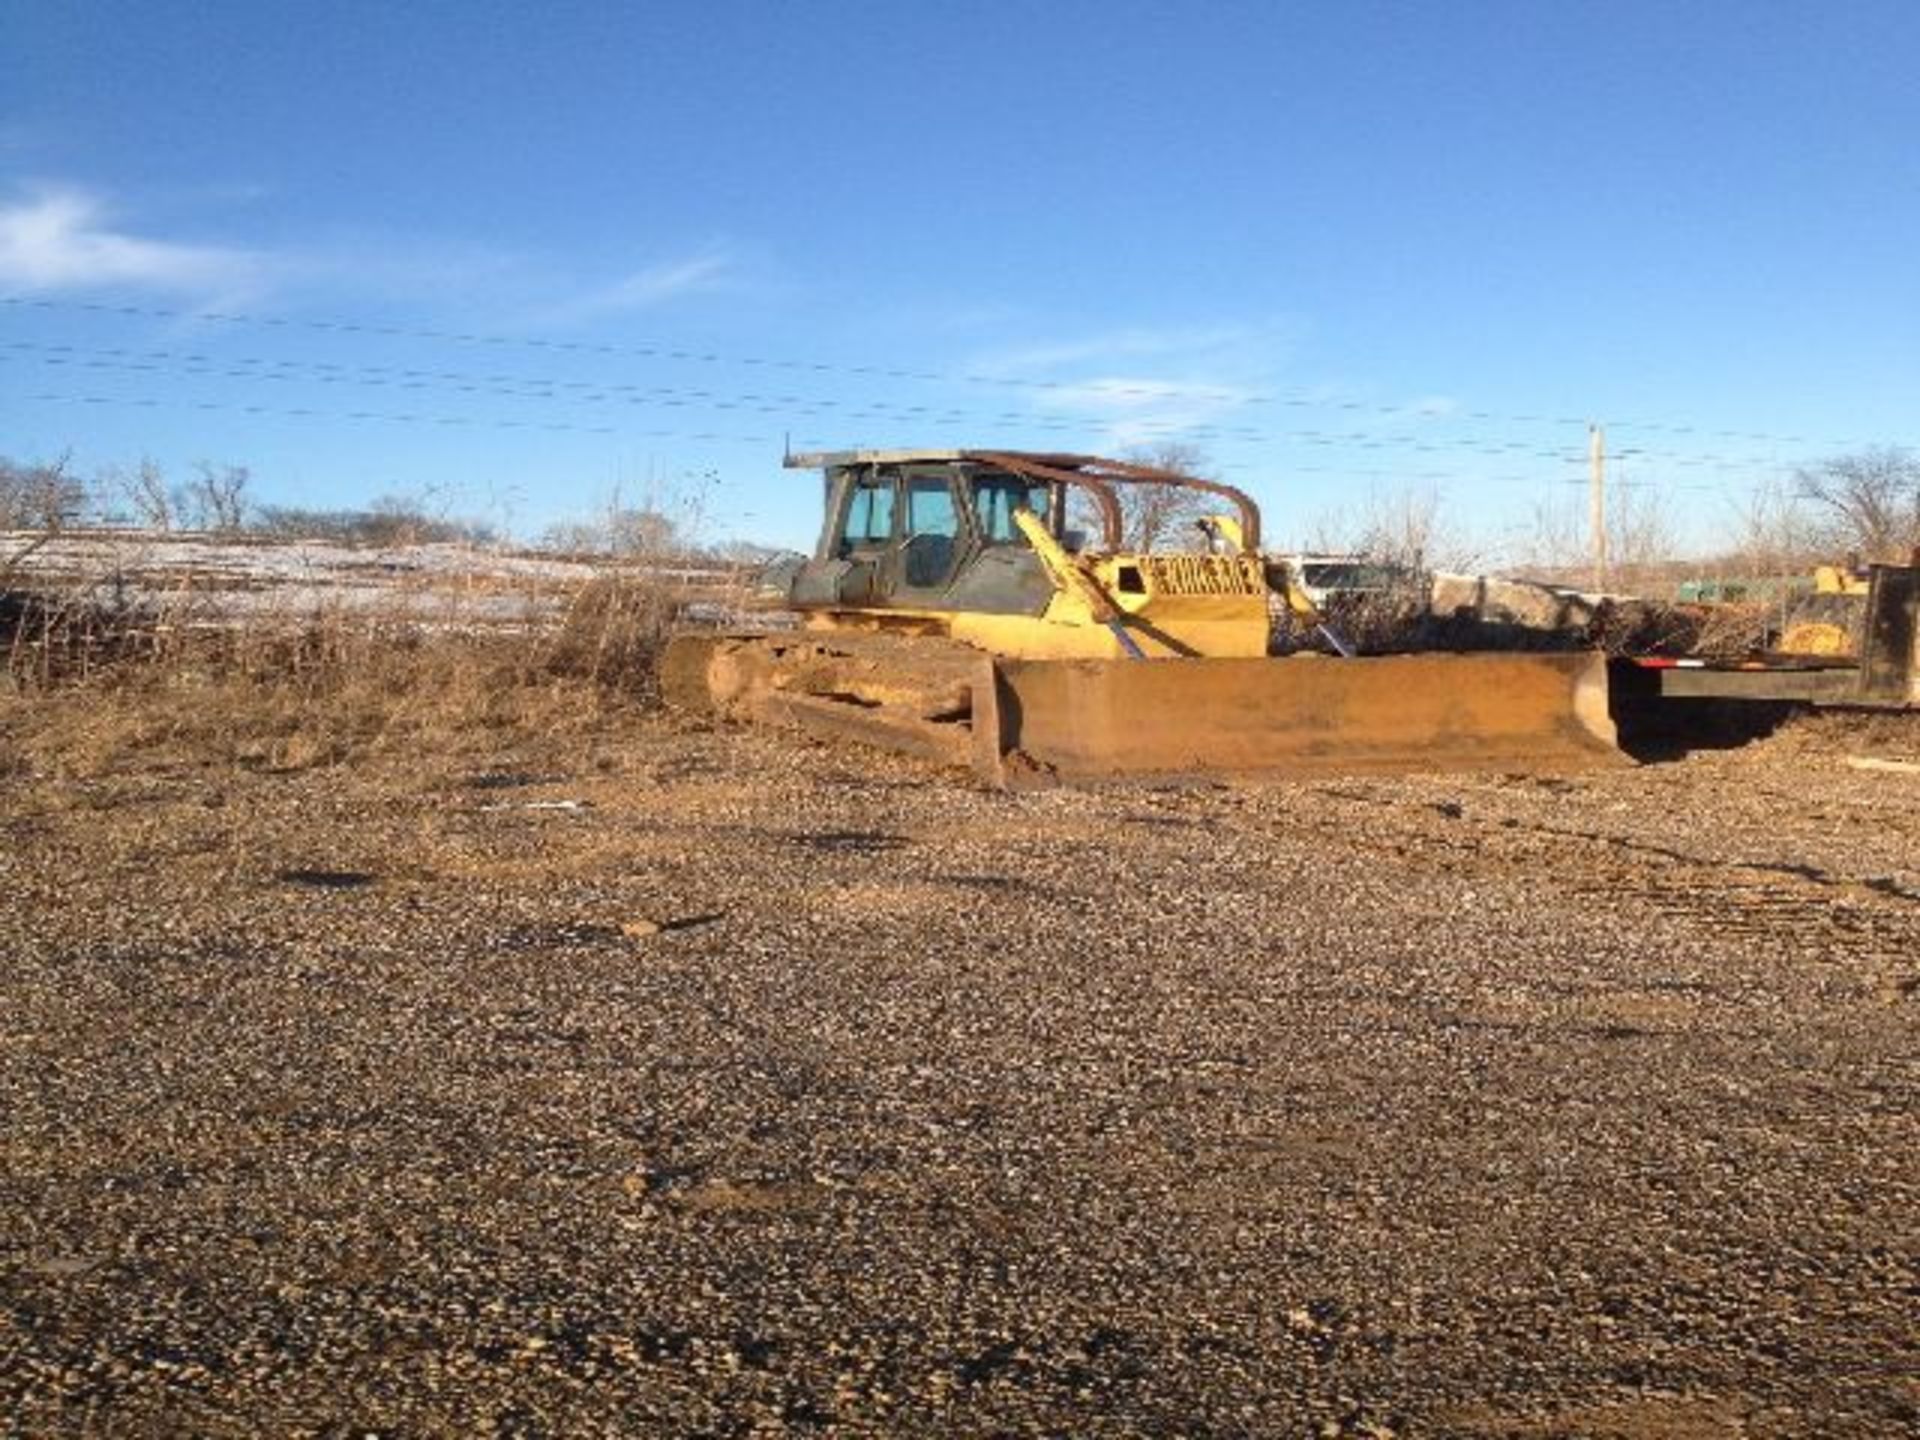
[(1857, 507), (49, 496)]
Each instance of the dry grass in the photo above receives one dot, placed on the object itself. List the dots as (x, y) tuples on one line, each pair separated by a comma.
[(89, 685)]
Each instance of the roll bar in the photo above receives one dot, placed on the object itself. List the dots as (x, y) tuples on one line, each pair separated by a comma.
[(1098, 477)]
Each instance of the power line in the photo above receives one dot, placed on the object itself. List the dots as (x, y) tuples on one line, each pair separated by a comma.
[(533, 387), (656, 351), (708, 436), (303, 412), (1572, 480), (581, 347), (539, 388)]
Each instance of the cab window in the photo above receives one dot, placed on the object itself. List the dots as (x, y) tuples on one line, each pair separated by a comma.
[(932, 531), (869, 515), (930, 509), (996, 497)]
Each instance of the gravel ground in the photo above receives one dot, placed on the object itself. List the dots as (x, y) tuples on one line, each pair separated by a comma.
[(708, 1082)]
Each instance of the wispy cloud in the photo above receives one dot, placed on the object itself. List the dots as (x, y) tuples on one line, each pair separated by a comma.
[(62, 237), (56, 237), (1106, 348), (707, 271), (1140, 409), (1140, 384)]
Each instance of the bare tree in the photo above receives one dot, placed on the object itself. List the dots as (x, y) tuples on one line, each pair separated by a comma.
[(646, 533), (1554, 537), (155, 503), (217, 496), (1774, 534), (1640, 536), (573, 537), (1403, 528), (399, 520), (40, 495), (642, 534), (1871, 499), (1165, 517), (746, 552), (663, 522)]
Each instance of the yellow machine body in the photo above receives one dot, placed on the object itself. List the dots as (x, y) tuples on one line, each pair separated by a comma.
[(1826, 623), (1184, 606), (1838, 580), (949, 613)]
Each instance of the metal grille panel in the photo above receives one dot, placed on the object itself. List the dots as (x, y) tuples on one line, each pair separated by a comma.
[(1204, 575)]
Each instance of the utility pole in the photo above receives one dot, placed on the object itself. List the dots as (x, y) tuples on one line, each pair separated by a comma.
[(1597, 497)]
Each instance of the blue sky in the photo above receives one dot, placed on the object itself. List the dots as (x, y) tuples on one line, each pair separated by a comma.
[(1350, 250)]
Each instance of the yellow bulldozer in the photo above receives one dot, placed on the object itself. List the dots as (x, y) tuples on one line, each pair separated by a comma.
[(1826, 621), (952, 611)]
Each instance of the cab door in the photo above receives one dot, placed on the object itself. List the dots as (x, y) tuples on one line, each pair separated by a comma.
[(901, 536), (934, 536), (854, 564)]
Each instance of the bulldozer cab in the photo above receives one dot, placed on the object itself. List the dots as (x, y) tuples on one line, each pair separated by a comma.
[(906, 531), (974, 544), (939, 529), (917, 525)]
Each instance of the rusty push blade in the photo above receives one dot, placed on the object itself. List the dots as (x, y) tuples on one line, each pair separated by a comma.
[(1019, 723), (1080, 721)]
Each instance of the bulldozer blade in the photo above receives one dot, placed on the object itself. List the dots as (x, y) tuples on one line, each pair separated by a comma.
[(1022, 723), (1037, 722)]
